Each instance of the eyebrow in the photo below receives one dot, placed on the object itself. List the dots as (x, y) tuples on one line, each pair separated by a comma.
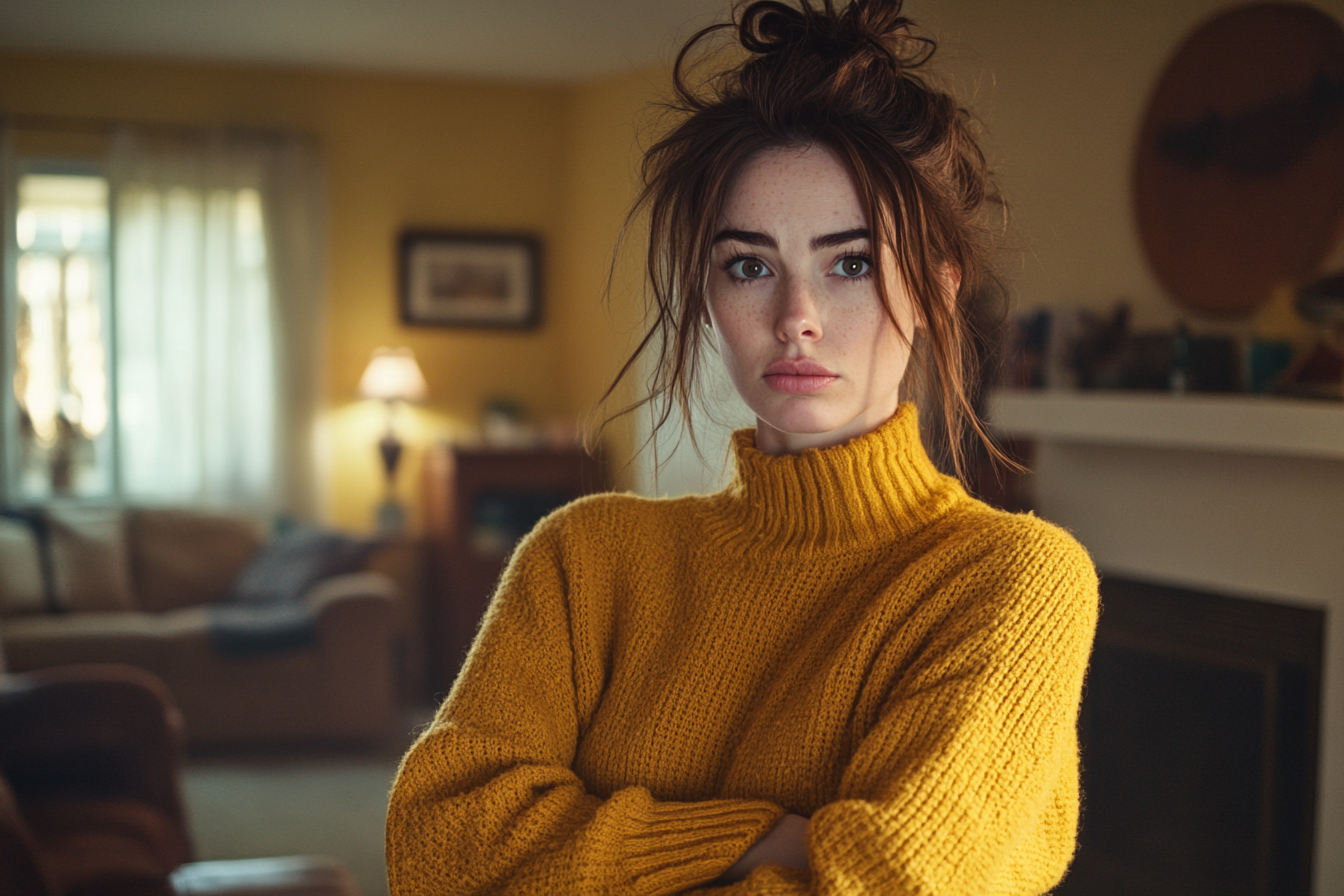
[(839, 239), (750, 237), (765, 240)]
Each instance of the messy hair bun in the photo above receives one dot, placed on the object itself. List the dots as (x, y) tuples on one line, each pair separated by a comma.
[(770, 27), (847, 56), (847, 77)]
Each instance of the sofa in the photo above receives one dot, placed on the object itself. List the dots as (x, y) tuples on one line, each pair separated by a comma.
[(153, 588)]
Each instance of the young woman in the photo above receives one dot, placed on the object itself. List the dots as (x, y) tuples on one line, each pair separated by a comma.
[(841, 674)]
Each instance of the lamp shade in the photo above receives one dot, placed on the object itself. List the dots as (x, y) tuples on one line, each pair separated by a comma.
[(393, 374)]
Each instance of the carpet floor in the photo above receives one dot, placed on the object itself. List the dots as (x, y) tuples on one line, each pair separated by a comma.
[(243, 806), (334, 806)]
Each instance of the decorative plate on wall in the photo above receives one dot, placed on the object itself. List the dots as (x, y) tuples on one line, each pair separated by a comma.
[(1239, 174)]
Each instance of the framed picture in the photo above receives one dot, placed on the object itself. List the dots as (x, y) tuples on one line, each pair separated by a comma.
[(469, 280)]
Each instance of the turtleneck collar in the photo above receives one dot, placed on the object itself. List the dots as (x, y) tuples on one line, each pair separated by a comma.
[(873, 488)]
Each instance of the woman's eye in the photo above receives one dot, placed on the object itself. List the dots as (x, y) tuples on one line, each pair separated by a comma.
[(852, 266), (747, 268)]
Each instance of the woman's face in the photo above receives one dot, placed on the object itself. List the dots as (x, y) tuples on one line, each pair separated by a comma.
[(794, 303)]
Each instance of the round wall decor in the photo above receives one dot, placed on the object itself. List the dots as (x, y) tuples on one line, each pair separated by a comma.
[(1239, 172)]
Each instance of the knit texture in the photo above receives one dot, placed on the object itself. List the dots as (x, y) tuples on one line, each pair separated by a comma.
[(843, 634)]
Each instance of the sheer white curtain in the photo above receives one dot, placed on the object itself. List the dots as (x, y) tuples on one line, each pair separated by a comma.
[(668, 465), (217, 259)]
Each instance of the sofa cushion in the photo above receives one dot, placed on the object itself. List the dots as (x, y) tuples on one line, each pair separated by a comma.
[(138, 639), (182, 558), (89, 563), (21, 587)]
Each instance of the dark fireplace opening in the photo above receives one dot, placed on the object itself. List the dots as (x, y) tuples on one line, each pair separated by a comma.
[(1199, 736)]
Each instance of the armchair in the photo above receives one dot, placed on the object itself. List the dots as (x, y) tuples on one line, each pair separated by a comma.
[(91, 801)]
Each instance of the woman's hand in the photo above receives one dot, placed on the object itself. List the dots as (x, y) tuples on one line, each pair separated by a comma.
[(785, 844)]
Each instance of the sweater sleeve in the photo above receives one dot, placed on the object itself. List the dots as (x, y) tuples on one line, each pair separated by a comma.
[(967, 785), (486, 800)]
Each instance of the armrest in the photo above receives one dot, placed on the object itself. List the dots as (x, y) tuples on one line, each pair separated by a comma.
[(104, 730), (353, 611), (357, 649), (281, 876), (368, 588), (20, 872)]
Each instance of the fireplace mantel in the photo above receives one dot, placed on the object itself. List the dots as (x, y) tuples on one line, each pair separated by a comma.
[(1240, 495), (1245, 424)]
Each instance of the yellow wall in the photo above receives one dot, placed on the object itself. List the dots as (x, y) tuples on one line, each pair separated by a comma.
[(1060, 88), (609, 125), (401, 152)]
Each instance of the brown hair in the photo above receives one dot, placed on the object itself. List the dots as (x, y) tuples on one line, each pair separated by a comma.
[(846, 78)]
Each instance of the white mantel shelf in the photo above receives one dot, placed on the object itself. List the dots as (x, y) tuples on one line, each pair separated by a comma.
[(1245, 424)]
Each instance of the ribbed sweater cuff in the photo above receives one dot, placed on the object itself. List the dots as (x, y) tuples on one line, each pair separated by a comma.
[(684, 844)]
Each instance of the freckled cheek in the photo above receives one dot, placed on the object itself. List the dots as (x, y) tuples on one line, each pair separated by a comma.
[(872, 348), (740, 331), (859, 330)]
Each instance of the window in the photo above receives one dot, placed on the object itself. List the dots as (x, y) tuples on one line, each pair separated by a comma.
[(162, 320), (61, 376)]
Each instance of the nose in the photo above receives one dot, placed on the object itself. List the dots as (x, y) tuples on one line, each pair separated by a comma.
[(798, 315)]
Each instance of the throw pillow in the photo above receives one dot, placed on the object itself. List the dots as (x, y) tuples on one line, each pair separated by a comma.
[(21, 587), (292, 562), (89, 566)]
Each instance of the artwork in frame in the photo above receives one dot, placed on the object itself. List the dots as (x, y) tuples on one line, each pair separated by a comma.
[(469, 280)]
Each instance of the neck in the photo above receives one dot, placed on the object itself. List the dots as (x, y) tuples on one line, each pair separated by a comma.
[(778, 442)]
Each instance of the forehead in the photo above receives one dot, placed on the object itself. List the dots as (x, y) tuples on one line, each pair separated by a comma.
[(794, 185)]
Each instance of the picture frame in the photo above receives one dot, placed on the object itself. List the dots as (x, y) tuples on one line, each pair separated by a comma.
[(450, 279)]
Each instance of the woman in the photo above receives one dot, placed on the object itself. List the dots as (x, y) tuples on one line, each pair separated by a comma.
[(841, 674)]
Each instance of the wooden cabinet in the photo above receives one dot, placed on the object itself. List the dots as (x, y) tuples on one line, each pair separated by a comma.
[(480, 501), (404, 559)]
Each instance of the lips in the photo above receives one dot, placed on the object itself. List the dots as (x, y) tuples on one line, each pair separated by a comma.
[(802, 376)]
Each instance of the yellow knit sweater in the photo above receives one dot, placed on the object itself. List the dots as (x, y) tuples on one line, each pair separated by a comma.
[(842, 634)]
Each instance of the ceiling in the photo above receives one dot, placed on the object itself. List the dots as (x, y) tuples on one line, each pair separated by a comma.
[(547, 40)]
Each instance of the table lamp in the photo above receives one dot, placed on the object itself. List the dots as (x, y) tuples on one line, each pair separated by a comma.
[(392, 376)]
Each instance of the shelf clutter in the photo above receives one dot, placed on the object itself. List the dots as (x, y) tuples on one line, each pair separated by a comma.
[(1301, 355)]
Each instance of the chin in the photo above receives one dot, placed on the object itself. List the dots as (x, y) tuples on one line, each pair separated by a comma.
[(806, 420)]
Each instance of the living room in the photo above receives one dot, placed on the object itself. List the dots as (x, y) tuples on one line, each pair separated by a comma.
[(527, 119)]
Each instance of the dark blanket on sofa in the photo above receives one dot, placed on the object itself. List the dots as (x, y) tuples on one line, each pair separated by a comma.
[(264, 610)]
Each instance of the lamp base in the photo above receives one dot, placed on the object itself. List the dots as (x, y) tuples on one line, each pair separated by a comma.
[(391, 517), (389, 447)]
